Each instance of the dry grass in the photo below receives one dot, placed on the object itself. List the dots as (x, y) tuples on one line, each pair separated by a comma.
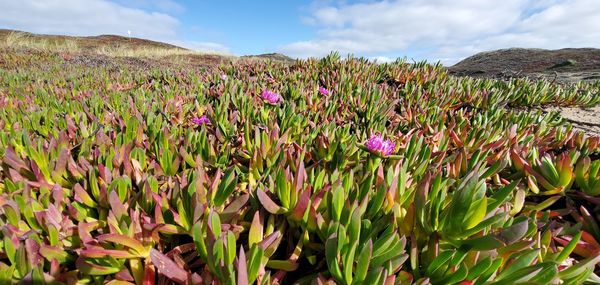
[(107, 47), (23, 40), (149, 52)]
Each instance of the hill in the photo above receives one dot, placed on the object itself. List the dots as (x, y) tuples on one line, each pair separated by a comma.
[(85, 43), (569, 64), (134, 50)]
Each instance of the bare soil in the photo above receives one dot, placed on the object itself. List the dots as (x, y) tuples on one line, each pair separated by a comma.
[(583, 119)]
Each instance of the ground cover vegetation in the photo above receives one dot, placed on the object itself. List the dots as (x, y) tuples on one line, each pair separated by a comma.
[(324, 171)]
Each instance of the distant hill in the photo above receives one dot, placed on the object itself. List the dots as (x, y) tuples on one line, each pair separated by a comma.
[(92, 42), (582, 63), (93, 47)]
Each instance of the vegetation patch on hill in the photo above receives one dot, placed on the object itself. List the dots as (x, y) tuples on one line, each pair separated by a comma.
[(563, 65)]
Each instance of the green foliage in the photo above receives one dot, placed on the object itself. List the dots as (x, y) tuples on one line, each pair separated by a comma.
[(105, 178)]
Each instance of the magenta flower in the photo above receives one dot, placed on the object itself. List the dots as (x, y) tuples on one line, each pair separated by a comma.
[(223, 76), (270, 97), (201, 121), (376, 144), (324, 91)]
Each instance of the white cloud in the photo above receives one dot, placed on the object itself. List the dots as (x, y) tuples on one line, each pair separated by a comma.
[(95, 17), (203, 46), (448, 30), (382, 59), (169, 6)]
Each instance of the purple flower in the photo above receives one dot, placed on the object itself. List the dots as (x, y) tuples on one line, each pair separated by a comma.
[(223, 76), (201, 121), (324, 91), (377, 144), (270, 97)]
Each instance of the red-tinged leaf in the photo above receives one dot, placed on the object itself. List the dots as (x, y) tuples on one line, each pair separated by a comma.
[(137, 246), (270, 240), (94, 269), (457, 141), (32, 249), (83, 197), (300, 177), (517, 160), (61, 163), (124, 275), (242, 270), (316, 201), (301, 205), (405, 277), (390, 280), (58, 195), (234, 207), (582, 248), (170, 229), (149, 275), (268, 204), (587, 237), (12, 160), (215, 183), (71, 127), (84, 229), (168, 267), (54, 253), (116, 206), (97, 252)]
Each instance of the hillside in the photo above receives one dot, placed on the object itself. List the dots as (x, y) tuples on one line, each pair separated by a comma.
[(568, 64), (112, 48), (91, 42)]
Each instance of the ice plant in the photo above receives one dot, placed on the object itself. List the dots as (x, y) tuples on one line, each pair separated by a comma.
[(376, 144), (324, 91), (117, 189), (201, 121), (223, 76), (270, 97)]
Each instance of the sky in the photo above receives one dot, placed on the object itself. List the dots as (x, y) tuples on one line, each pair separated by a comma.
[(433, 30)]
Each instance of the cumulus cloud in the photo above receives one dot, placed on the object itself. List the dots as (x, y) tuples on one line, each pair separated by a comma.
[(448, 30), (203, 46), (95, 17)]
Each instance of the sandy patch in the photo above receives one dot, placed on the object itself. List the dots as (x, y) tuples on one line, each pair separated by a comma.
[(584, 119)]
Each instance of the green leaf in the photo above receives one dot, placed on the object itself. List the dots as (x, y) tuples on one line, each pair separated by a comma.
[(523, 260), (337, 202), (580, 268), (226, 187), (255, 235), (215, 224), (564, 254), (480, 267), (95, 269), (331, 251), (230, 248), (362, 265), (254, 263), (442, 259)]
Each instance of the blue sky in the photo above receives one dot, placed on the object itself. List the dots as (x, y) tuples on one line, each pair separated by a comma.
[(246, 27), (435, 30)]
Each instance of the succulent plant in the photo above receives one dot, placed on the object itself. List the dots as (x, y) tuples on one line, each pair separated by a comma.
[(392, 174)]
